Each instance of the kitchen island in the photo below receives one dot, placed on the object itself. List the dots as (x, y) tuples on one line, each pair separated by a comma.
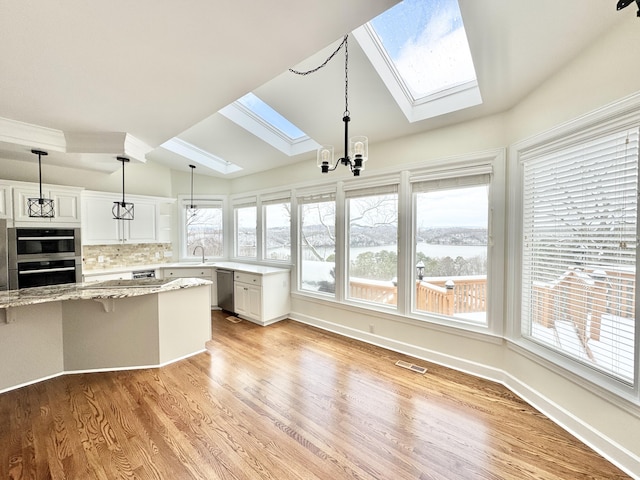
[(49, 331)]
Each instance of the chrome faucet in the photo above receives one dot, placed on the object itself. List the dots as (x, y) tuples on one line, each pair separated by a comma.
[(201, 248)]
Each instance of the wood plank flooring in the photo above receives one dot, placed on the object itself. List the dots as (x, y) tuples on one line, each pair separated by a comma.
[(283, 402)]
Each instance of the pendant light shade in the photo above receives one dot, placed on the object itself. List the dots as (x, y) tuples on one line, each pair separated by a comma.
[(122, 210), (40, 207)]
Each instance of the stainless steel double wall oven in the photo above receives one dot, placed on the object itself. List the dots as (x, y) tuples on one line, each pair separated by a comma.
[(43, 256)]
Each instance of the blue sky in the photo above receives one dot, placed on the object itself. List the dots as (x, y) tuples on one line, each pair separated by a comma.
[(269, 115), (427, 43)]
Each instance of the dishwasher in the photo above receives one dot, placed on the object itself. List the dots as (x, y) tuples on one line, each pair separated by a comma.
[(225, 290)]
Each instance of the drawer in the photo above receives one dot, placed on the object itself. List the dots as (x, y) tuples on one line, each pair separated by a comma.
[(88, 278), (188, 273), (249, 278)]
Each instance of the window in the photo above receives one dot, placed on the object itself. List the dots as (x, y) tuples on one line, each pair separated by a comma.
[(277, 230), (579, 251), (203, 226), (245, 231), (373, 244), (317, 243), (451, 245)]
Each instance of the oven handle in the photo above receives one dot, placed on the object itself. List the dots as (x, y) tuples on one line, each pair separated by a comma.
[(66, 237), (46, 270)]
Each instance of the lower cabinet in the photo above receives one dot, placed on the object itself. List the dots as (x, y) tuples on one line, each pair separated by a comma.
[(263, 299), (248, 300), (194, 272)]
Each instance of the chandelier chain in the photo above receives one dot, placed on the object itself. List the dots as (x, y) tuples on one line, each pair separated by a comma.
[(313, 70), (344, 43)]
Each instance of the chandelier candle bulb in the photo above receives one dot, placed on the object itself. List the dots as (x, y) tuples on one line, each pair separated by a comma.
[(325, 157), (359, 147)]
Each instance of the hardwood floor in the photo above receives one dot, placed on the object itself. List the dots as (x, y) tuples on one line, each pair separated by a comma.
[(283, 402)]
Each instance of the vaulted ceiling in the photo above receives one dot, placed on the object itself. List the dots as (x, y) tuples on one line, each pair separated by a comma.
[(104, 78)]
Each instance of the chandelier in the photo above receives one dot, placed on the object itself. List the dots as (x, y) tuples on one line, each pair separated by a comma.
[(625, 3), (355, 148)]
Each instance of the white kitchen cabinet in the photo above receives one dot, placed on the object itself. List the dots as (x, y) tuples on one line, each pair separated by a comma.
[(5, 201), (208, 273), (66, 204), (100, 228), (263, 299), (248, 300), (144, 226)]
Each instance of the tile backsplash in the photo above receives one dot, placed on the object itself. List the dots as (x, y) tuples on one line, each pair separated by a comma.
[(101, 257)]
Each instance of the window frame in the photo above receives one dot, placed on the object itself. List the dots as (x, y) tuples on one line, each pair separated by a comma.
[(303, 197), (470, 176), (624, 114), (237, 204), (496, 160), (363, 190), (265, 201), (206, 201)]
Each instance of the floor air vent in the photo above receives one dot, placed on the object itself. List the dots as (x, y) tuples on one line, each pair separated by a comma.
[(411, 366)]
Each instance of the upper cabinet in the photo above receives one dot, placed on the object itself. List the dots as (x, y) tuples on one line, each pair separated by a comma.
[(100, 228), (66, 204)]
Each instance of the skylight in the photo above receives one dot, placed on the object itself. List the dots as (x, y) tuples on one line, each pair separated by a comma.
[(269, 115), (199, 156), (420, 50), (257, 117)]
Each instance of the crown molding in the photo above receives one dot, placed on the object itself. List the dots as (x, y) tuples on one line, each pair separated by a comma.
[(28, 135), (32, 136)]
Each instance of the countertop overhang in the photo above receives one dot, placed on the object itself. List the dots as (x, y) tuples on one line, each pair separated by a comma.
[(94, 291)]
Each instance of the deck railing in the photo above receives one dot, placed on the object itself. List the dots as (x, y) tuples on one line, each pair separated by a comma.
[(443, 295), (583, 296)]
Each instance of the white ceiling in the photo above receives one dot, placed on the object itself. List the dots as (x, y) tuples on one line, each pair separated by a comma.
[(158, 69)]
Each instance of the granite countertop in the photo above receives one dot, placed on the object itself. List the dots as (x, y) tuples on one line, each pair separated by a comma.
[(223, 265), (94, 291)]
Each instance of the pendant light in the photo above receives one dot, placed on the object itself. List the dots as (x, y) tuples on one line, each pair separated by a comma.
[(191, 205), (122, 210), (40, 207), (191, 208)]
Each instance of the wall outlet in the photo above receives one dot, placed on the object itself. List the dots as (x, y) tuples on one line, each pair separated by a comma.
[(100, 259)]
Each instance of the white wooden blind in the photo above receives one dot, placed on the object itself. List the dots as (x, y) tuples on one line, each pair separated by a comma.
[(579, 251)]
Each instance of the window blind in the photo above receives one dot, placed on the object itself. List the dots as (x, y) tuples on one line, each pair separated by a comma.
[(450, 183), (317, 198), (372, 191), (579, 251)]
